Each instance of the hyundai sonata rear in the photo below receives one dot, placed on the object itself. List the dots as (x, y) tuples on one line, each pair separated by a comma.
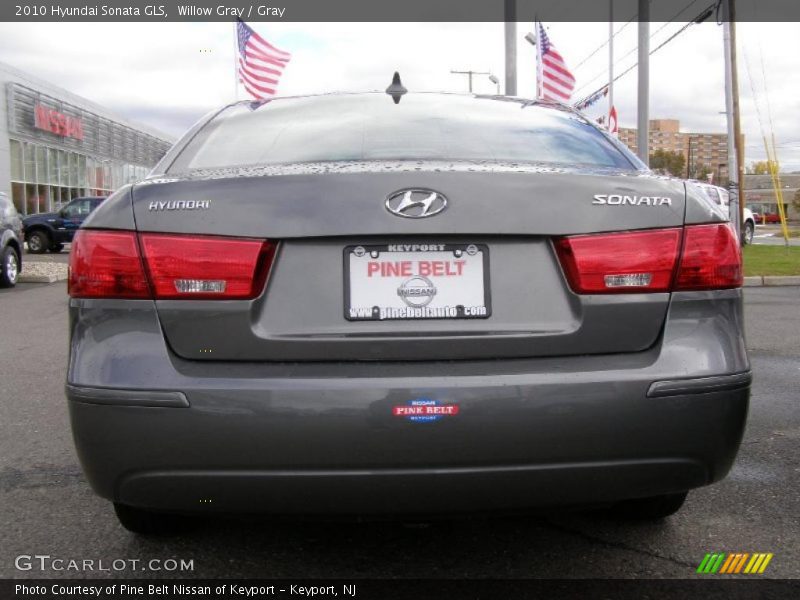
[(346, 305)]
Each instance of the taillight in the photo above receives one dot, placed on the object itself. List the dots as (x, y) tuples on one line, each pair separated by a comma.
[(710, 259), (109, 264), (615, 263), (206, 267), (106, 264), (652, 260)]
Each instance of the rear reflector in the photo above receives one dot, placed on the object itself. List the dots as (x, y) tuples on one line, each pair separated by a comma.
[(618, 263), (711, 259), (652, 260), (108, 264)]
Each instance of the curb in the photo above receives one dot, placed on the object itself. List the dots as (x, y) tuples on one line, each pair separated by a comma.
[(771, 280), (40, 278)]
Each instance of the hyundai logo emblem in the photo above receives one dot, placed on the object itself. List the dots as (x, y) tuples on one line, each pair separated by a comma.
[(415, 203)]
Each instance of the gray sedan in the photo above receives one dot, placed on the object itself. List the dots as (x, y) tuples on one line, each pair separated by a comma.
[(358, 304)]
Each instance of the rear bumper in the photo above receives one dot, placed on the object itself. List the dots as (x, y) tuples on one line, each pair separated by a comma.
[(156, 431)]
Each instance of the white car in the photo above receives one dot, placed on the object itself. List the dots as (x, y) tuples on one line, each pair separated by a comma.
[(720, 197)]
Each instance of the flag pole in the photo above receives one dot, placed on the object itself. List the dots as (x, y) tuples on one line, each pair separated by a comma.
[(538, 58), (610, 59), (235, 62)]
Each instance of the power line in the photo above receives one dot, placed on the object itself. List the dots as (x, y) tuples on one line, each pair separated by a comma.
[(699, 19), (654, 34), (604, 44)]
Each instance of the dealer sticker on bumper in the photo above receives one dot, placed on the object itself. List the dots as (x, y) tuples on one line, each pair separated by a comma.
[(424, 409)]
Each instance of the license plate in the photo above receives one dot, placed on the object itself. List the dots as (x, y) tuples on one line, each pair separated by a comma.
[(416, 281)]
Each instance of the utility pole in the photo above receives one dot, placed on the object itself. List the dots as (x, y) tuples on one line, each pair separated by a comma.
[(510, 7), (735, 149), (470, 74), (642, 106)]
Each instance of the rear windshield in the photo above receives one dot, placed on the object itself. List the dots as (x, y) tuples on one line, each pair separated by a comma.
[(372, 127)]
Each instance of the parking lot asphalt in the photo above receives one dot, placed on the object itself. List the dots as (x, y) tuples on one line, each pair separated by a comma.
[(772, 235), (47, 507)]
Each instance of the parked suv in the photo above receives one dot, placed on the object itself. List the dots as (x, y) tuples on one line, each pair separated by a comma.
[(50, 231), (10, 242)]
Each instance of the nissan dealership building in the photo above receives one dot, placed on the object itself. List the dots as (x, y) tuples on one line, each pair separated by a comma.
[(55, 146)]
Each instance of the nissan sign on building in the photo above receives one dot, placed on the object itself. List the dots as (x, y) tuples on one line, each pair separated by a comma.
[(55, 146)]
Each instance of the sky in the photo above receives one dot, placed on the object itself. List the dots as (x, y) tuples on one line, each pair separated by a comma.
[(167, 75)]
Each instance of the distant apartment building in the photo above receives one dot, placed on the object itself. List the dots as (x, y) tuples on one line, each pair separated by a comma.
[(709, 150)]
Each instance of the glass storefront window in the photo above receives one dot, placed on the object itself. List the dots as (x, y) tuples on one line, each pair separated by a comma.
[(16, 161), (91, 177), (30, 162), (74, 169), (31, 199), (63, 168), (81, 180), (52, 166), (43, 179), (41, 165), (18, 195)]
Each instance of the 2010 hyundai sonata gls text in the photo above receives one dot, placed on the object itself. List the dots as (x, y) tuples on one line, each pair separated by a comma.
[(344, 304)]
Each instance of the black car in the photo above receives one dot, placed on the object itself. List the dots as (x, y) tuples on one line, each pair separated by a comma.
[(10, 242), (50, 231)]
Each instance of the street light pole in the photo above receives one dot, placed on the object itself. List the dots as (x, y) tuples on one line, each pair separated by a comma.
[(469, 75), (510, 7), (642, 107), (495, 81)]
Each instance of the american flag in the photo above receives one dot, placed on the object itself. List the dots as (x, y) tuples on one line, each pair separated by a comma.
[(260, 63), (556, 81)]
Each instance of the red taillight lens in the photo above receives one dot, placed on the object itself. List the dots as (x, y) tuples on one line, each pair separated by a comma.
[(646, 261), (614, 263), (710, 260), (106, 264), (206, 267)]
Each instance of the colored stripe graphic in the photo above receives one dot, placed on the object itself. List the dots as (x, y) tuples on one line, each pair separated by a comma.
[(722, 563), (711, 562), (758, 563), (741, 562)]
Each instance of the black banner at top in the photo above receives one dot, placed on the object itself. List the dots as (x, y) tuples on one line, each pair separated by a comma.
[(391, 10)]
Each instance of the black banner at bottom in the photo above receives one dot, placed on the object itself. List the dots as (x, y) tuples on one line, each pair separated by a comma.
[(388, 589)]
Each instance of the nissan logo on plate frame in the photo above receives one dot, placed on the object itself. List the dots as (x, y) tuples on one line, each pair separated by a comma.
[(415, 203)]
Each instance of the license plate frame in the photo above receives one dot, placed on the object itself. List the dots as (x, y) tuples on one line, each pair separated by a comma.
[(445, 251)]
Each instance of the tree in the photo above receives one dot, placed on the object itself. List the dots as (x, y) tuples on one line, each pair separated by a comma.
[(762, 167), (672, 162), (701, 172)]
